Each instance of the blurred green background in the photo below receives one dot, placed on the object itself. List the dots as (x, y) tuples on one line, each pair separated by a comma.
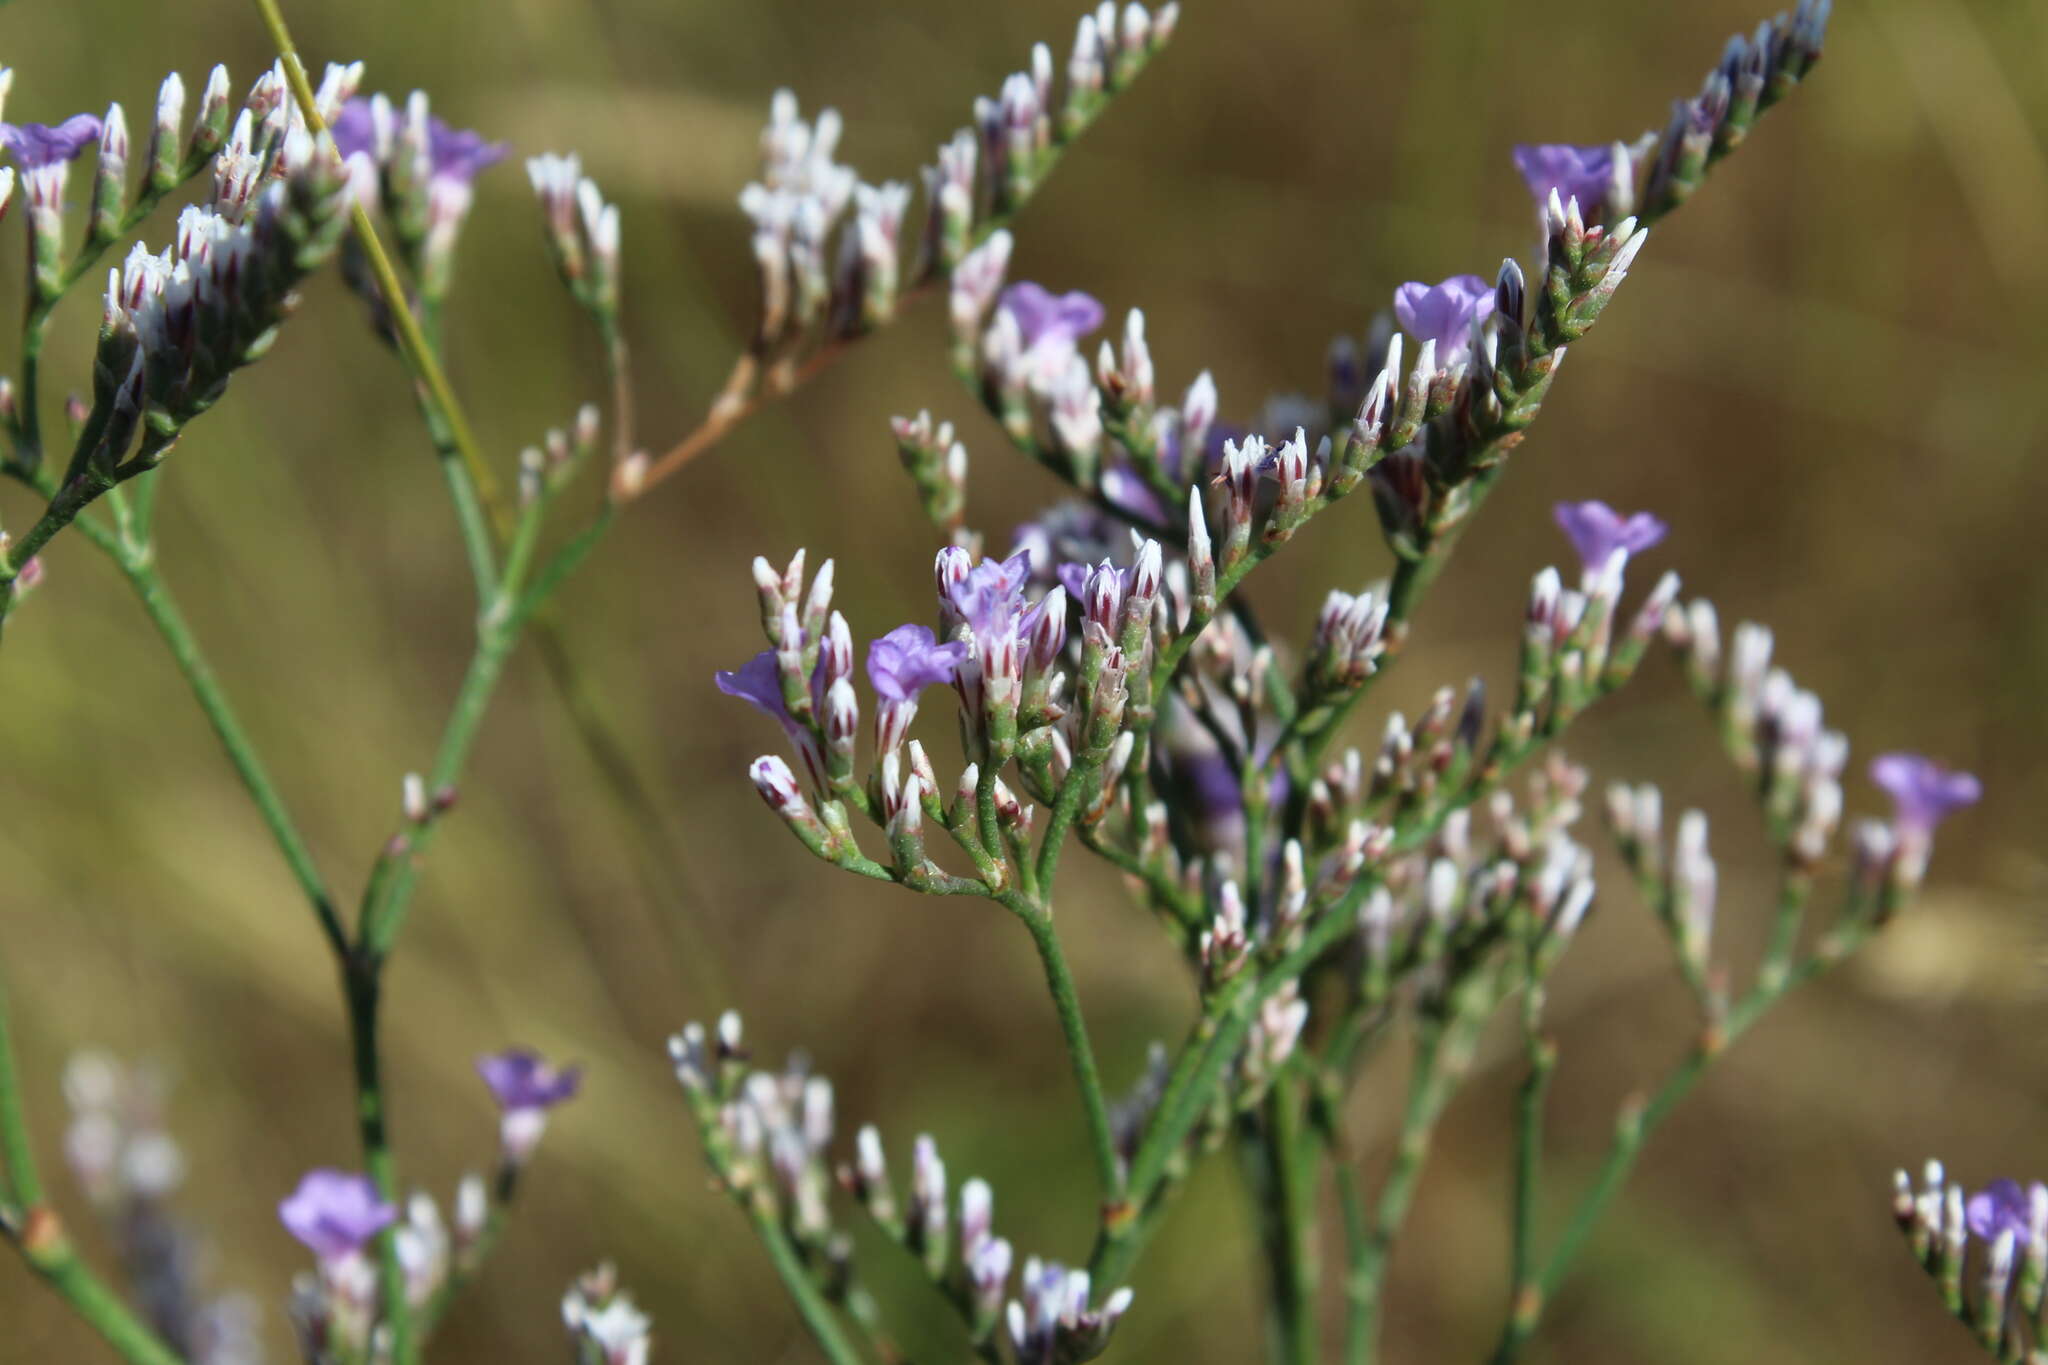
[(1825, 373)]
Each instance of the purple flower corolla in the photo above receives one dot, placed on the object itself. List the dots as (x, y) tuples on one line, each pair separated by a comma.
[(522, 1079), (2002, 1207), (461, 153), (1050, 326), (455, 154), (1444, 313), (909, 659), (1581, 173), (354, 129), (902, 664), (525, 1087), (1923, 792), (44, 155), (1599, 533), (335, 1213), (987, 599), (757, 682), (37, 145)]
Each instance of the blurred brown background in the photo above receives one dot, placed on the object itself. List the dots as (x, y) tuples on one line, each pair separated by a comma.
[(1824, 372)]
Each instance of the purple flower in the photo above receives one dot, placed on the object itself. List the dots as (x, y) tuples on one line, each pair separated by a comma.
[(1581, 173), (335, 1213), (902, 664), (1045, 316), (909, 659), (354, 129), (990, 596), (526, 1087), (1444, 313), (1597, 532), (461, 153), (521, 1079), (457, 154), (757, 682), (36, 145), (2001, 1207), (1049, 324), (1923, 791)]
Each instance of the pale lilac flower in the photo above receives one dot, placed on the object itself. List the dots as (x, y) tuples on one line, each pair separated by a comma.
[(1581, 173), (522, 1079), (461, 153), (335, 1213), (1444, 313), (1598, 532), (36, 145), (757, 682), (525, 1087), (44, 154), (1923, 791), (1999, 1208), (909, 659), (1050, 325), (988, 600), (902, 664), (355, 129)]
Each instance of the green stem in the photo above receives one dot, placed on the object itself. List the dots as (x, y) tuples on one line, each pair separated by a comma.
[(1541, 1053), (810, 1300), (411, 339), (1289, 1211), (1358, 1290), (1638, 1121), (17, 1148), (360, 979), (383, 916), (1080, 1052), (39, 1233), (150, 589)]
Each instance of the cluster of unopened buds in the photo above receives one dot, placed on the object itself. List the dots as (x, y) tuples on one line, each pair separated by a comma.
[(769, 1136), (812, 292), (130, 1167), (1999, 1290)]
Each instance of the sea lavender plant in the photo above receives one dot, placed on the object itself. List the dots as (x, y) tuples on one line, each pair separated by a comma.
[(292, 178), (1107, 670)]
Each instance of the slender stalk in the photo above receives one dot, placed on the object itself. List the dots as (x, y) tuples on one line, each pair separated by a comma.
[(810, 1300), (150, 589), (1080, 1052), (1290, 1217), (411, 339), (1358, 1288), (383, 917), (39, 1233), (360, 979), (1637, 1122), (17, 1147), (1541, 1053)]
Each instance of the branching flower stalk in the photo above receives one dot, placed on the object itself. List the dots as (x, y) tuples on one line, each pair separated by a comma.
[(1317, 901), (287, 191), (1108, 670)]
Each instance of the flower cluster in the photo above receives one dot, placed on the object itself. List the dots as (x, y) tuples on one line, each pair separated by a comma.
[(768, 1136), (421, 171), (1999, 1291), (604, 1326), (176, 325), (339, 1216), (130, 1167), (810, 290)]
